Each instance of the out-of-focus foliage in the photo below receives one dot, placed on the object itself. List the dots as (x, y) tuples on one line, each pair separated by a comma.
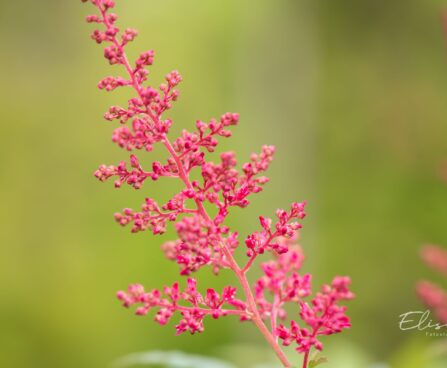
[(170, 359), (351, 92)]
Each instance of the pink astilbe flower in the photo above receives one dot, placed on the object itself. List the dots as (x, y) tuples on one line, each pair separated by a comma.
[(204, 239), (433, 296), (435, 257)]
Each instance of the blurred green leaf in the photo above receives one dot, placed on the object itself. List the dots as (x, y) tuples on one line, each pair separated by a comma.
[(317, 361), (421, 352), (170, 359)]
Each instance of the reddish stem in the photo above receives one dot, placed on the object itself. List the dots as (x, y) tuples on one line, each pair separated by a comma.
[(274, 315), (314, 333), (306, 358), (249, 263), (210, 311), (253, 257)]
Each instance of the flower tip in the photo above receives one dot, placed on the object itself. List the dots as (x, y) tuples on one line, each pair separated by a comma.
[(142, 311)]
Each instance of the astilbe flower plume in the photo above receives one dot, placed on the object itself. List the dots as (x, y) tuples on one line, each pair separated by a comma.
[(433, 296), (205, 240)]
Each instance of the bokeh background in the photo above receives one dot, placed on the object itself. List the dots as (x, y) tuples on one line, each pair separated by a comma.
[(353, 93)]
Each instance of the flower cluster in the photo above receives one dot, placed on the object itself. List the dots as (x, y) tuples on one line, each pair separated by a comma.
[(323, 316), (282, 282), (173, 300), (431, 294), (200, 244), (203, 239), (258, 242)]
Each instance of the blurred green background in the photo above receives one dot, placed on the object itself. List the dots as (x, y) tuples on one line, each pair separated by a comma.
[(353, 93)]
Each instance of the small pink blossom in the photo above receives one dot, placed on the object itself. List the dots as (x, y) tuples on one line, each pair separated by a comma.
[(110, 83), (128, 35), (145, 59)]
